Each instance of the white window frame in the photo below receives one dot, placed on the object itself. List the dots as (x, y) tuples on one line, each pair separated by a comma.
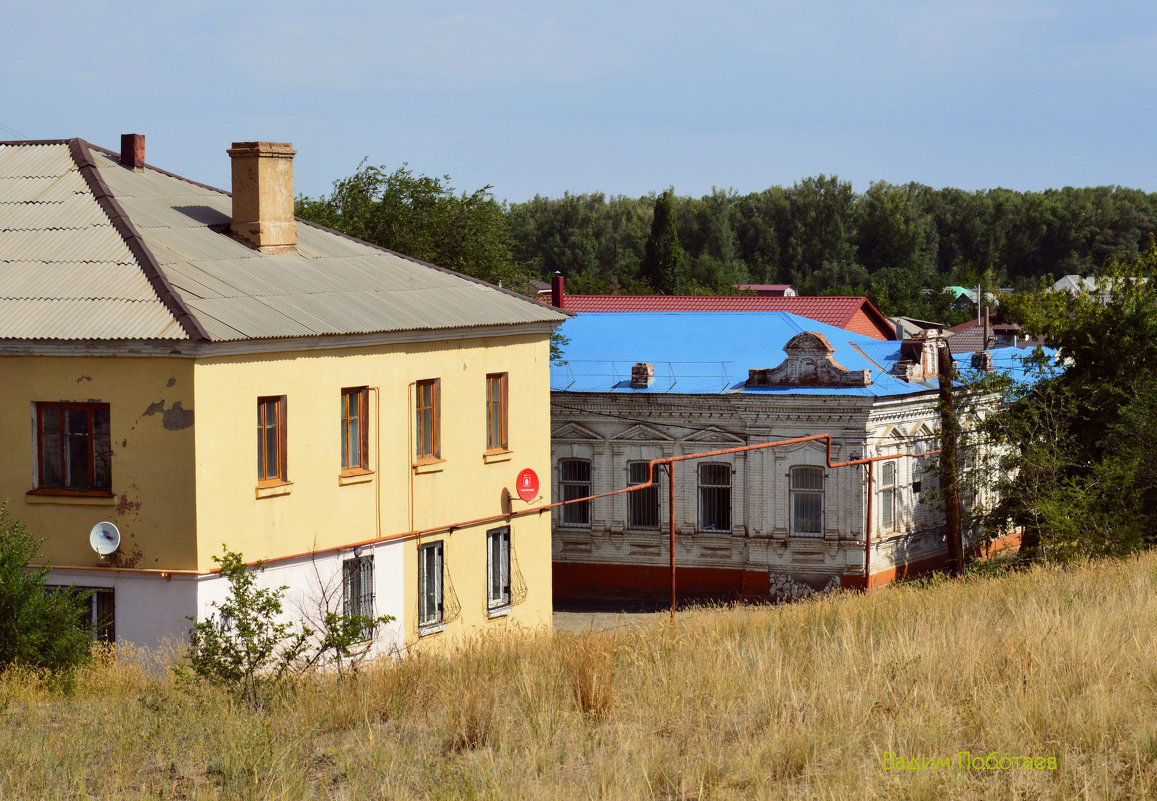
[(889, 519), (431, 585), (498, 571), (798, 494), (705, 491)]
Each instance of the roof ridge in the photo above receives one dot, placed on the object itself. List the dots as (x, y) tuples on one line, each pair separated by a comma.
[(147, 263), (116, 155)]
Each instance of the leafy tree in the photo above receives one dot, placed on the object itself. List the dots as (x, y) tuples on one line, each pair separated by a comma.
[(1077, 471), (663, 256), (38, 628), (420, 217)]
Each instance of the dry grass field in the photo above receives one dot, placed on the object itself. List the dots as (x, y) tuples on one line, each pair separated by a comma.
[(1048, 679)]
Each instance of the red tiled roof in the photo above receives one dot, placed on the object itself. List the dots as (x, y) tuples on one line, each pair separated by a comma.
[(837, 311)]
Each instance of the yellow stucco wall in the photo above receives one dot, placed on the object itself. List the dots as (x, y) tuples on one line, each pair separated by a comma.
[(318, 511), (151, 432)]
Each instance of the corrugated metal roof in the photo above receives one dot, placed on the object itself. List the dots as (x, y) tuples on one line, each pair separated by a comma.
[(833, 310), (35, 161), (86, 318), (706, 353), (65, 271), (58, 246)]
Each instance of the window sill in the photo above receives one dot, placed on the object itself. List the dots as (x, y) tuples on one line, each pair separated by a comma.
[(272, 489), (428, 465), (433, 628), (355, 475), (489, 457), (498, 611), (71, 497)]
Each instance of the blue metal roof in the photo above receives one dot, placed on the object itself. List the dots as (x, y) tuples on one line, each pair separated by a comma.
[(709, 353)]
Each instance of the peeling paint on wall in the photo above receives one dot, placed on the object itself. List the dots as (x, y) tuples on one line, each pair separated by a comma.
[(172, 382), (174, 418), (83, 378)]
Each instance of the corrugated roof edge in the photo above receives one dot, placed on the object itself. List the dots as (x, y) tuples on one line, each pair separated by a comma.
[(132, 238)]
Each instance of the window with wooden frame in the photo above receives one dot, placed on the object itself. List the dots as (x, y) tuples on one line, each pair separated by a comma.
[(496, 412), (426, 420), (271, 440), (888, 496), (354, 429), (74, 449)]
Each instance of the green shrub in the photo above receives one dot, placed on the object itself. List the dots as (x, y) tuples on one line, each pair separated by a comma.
[(245, 646), (39, 629)]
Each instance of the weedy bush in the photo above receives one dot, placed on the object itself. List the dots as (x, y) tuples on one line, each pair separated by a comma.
[(246, 646), (39, 629)]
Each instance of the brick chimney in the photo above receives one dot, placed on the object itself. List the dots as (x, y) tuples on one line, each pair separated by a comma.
[(133, 151), (557, 293), (263, 195)]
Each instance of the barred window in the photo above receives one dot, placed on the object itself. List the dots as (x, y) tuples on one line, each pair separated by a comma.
[(643, 505), (714, 497), (575, 482), (430, 582), (807, 501), (498, 568), (358, 589)]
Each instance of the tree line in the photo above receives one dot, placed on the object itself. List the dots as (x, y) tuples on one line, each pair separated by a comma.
[(888, 243)]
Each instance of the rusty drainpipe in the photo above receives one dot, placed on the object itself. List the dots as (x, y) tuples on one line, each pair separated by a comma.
[(671, 517), (870, 468)]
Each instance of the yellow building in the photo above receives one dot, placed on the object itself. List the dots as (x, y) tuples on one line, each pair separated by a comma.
[(204, 371)]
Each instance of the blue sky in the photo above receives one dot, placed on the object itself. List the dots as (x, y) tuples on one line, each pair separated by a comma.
[(622, 98)]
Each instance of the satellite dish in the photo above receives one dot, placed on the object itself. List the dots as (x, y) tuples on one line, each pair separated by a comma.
[(104, 538)]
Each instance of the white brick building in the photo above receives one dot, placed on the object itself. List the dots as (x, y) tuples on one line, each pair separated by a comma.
[(776, 521)]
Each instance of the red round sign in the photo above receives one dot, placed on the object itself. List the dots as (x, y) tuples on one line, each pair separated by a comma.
[(527, 485)]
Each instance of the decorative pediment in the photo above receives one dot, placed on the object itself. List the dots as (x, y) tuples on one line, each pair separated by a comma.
[(713, 434), (573, 431), (922, 431), (809, 363), (892, 436), (642, 433)]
